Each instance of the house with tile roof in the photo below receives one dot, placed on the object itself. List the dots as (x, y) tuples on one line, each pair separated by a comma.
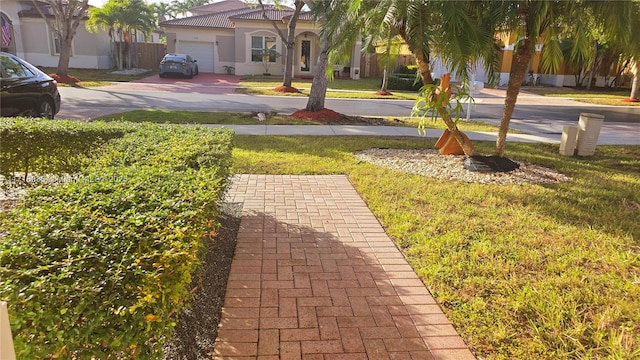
[(230, 36)]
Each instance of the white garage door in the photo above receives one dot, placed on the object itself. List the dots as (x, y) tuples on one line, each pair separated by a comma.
[(200, 51)]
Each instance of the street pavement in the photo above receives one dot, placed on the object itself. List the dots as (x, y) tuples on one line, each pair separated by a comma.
[(542, 118)]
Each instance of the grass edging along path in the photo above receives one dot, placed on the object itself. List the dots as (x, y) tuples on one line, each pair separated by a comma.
[(238, 118), (522, 271), (612, 97)]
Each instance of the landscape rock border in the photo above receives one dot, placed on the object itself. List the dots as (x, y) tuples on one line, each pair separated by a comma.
[(430, 163)]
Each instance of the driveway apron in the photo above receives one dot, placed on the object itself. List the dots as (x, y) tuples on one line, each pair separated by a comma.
[(204, 83), (314, 276)]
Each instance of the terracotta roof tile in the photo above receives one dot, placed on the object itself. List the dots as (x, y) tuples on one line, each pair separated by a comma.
[(222, 6), (237, 10), (217, 20), (256, 14)]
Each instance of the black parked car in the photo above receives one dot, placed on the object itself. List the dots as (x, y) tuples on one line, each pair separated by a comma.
[(178, 64), (26, 91)]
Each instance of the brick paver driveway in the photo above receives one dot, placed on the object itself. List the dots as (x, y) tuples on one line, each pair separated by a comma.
[(205, 83), (314, 276)]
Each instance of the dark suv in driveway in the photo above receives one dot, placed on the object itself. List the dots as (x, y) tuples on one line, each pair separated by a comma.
[(178, 64), (26, 91)]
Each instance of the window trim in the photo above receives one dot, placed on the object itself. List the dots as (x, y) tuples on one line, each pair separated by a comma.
[(55, 50), (264, 46)]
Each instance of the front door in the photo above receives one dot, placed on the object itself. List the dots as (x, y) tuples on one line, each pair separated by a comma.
[(305, 56)]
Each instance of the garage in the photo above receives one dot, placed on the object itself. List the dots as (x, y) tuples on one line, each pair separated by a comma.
[(200, 51)]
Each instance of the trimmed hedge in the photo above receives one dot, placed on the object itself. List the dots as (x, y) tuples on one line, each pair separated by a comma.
[(403, 82), (101, 266), (407, 69), (51, 147)]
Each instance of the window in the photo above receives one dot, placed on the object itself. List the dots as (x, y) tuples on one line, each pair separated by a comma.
[(263, 45), (14, 69), (56, 44)]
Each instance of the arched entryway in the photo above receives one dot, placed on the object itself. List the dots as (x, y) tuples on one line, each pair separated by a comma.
[(307, 46)]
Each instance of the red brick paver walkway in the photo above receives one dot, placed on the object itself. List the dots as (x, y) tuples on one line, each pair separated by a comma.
[(314, 276)]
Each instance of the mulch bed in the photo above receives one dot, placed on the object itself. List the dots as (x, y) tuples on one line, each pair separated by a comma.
[(286, 89), (330, 117), (66, 79), (383, 93), (631, 100)]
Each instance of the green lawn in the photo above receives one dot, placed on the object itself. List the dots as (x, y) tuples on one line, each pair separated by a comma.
[(98, 77), (364, 88), (229, 118), (522, 271), (596, 96)]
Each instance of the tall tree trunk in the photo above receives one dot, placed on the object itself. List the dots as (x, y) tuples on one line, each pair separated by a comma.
[(595, 63), (424, 67), (521, 58), (320, 81), (385, 78), (634, 85), (291, 44), (65, 55)]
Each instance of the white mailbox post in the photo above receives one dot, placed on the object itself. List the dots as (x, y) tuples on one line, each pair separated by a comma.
[(568, 140), (589, 129)]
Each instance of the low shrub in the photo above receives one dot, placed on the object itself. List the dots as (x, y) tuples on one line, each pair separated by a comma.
[(407, 69), (53, 147), (405, 82), (101, 266)]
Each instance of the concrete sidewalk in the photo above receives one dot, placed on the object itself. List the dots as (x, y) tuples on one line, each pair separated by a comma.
[(610, 133), (314, 276)]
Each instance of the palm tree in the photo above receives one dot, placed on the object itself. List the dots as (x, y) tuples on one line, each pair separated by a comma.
[(456, 30), (106, 18), (136, 17), (123, 19), (182, 7), (544, 21), (633, 51), (163, 11)]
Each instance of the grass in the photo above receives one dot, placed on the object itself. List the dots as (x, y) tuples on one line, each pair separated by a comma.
[(522, 271), (364, 88), (596, 96), (97, 77), (235, 118)]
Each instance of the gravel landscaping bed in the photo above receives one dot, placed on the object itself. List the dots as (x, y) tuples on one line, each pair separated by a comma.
[(431, 164)]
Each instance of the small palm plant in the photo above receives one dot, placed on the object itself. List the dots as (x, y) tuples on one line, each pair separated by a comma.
[(268, 56), (440, 101)]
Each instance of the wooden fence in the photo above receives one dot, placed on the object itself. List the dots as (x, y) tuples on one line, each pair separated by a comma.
[(149, 55), (370, 67)]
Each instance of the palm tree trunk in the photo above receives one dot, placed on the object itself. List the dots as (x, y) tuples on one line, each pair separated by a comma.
[(385, 79), (521, 59), (466, 147), (634, 85), (424, 67), (320, 81)]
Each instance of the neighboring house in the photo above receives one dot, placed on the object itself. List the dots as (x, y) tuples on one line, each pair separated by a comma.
[(28, 36), (230, 35)]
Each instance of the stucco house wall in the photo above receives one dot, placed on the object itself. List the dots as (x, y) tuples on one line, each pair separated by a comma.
[(34, 42), (230, 24)]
